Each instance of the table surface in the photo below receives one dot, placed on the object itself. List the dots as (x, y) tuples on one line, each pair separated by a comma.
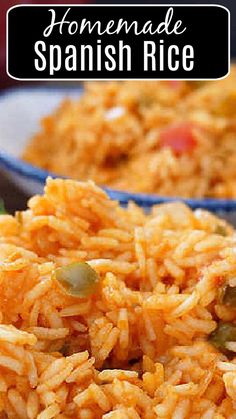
[(12, 197)]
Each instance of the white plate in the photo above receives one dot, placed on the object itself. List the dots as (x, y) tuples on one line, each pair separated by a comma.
[(21, 110)]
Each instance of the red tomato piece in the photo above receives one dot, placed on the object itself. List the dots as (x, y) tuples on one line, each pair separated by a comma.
[(179, 137), (175, 84)]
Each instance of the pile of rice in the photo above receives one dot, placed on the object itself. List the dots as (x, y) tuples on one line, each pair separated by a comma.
[(115, 129), (139, 347)]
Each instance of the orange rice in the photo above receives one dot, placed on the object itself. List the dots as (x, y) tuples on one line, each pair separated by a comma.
[(139, 347), (115, 130)]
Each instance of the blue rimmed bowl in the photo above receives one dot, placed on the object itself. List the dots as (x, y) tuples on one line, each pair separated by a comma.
[(20, 112)]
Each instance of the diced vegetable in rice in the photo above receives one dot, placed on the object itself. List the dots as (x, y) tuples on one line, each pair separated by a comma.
[(171, 138), (108, 312)]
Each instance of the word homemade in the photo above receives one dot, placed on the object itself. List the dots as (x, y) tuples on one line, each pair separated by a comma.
[(118, 42)]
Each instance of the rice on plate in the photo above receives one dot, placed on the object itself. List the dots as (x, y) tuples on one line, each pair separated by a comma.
[(109, 312), (182, 133)]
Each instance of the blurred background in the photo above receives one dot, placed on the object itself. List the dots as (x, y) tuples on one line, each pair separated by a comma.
[(12, 197)]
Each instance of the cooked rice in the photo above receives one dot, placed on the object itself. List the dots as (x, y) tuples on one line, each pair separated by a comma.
[(139, 347), (114, 131)]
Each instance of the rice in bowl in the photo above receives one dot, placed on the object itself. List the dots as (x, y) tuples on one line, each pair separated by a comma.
[(182, 133), (154, 339)]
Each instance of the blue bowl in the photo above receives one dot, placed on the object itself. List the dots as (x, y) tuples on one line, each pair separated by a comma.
[(22, 171), (32, 179)]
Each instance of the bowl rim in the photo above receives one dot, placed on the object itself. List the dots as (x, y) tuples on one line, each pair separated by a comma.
[(30, 172)]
